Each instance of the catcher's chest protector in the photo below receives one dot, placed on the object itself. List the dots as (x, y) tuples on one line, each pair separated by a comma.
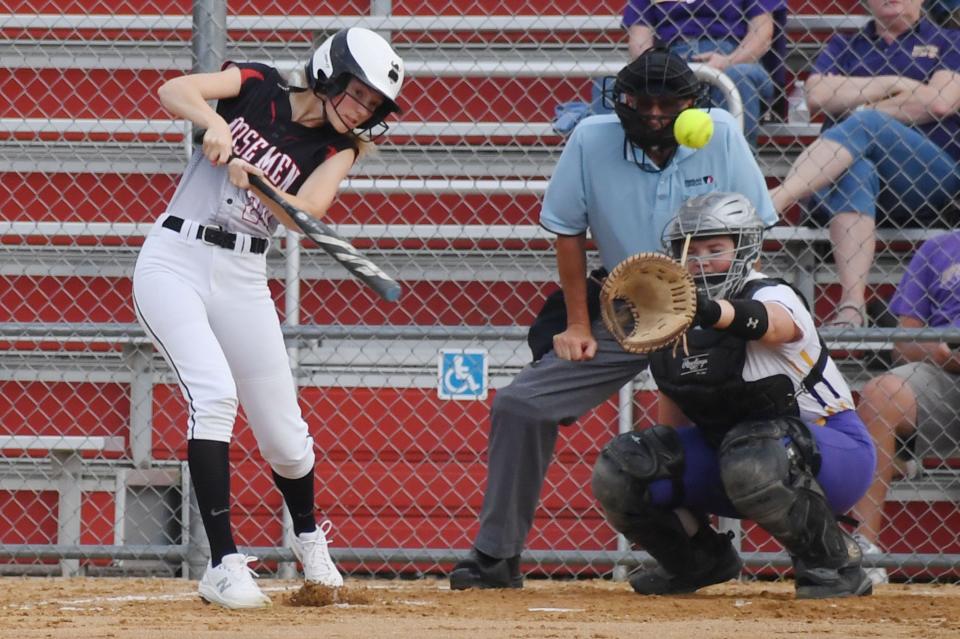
[(707, 383)]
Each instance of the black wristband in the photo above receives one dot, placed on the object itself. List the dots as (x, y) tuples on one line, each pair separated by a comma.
[(750, 319)]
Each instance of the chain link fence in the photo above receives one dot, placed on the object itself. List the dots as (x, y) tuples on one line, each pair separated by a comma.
[(92, 474)]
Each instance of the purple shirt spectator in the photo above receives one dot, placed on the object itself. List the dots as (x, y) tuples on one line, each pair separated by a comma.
[(930, 287), (718, 19), (916, 54)]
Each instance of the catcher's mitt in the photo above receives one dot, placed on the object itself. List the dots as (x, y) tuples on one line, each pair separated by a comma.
[(648, 301)]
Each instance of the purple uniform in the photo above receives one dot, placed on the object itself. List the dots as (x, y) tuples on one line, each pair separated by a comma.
[(717, 19), (930, 287), (917, 54)]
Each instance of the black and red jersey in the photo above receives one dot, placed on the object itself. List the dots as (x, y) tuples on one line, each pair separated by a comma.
[(265, 135)]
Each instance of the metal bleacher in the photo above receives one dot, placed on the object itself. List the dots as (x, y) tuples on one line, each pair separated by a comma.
[(429, 157)]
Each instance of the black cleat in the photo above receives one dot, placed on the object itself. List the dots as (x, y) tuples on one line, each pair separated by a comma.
[(721, 564), (849, 580), (482, 571), (829, 583)]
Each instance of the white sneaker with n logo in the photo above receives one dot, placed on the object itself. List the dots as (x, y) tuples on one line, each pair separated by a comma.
[(231, 584), (311, 549)]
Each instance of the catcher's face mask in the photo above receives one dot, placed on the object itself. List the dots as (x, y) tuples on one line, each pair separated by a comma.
[(709, 260), (718, 215)]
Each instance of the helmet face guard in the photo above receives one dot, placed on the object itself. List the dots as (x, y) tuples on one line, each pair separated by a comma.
[(655, 74), (712, 215), (362, 54)]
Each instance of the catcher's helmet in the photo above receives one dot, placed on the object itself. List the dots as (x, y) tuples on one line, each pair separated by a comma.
[(719, 214), (655, 72), (360, 53)]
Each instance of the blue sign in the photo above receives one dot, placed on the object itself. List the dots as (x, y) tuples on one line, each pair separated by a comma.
[(462, 373)]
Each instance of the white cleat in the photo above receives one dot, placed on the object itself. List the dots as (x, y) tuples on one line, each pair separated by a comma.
[(311, 549), (231, 584), (878, 576)]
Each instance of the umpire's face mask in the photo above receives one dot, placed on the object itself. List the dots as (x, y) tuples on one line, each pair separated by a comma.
[(648, 119)]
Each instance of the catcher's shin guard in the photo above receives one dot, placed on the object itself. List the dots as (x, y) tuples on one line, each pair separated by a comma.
[(621, 477), (848, 580), (774, 484)]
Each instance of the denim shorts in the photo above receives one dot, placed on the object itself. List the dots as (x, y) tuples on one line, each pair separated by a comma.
[(896, 170)]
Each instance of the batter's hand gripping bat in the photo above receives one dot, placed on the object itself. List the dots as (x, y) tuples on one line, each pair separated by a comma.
[(361, 266)]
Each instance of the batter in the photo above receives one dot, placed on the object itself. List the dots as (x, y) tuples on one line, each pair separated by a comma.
[(200, 283)]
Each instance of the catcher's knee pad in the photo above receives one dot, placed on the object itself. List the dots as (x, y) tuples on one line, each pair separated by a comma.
[(773, 483), (628, 464)]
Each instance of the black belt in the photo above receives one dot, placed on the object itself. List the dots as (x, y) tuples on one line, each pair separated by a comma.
[(216, 236)]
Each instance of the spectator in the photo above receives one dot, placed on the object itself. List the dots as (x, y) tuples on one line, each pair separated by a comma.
[(895, 89), (921, 398), (732, 36)]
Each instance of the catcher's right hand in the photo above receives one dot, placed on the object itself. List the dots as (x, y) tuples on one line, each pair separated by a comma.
[(708, 311), (648, 301)]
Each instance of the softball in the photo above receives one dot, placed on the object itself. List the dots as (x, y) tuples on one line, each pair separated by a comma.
[(693, 128)]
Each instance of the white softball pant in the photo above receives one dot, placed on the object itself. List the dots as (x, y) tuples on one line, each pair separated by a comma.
[(210, 313)]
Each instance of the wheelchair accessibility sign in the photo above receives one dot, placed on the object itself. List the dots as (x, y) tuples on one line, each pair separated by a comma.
[(462, 373)]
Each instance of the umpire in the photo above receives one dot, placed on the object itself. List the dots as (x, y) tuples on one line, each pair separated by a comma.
[(621, 177)]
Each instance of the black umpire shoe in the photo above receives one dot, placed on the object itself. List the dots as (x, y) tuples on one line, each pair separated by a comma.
[(716, 561), (483, 571)]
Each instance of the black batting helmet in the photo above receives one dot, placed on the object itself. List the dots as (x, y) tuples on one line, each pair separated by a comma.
[(655, 72)]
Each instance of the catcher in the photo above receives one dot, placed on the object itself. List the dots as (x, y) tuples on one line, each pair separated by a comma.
[(755, 422)]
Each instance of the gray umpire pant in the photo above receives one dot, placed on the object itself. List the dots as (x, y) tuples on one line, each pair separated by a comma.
[(524, 421)]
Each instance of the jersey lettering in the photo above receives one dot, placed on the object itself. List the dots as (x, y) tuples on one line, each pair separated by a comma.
[(265, 136), (248, 144)]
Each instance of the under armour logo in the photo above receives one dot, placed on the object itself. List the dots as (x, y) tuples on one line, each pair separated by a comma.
[(753, 322), (394, 73), (223, 585)]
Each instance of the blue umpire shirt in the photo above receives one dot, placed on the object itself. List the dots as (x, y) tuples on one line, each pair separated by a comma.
[(599, 184)]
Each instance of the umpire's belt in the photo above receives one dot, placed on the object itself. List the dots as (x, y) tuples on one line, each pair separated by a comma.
[(216, 236)]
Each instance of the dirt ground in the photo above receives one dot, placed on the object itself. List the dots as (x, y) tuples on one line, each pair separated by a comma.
[(130, 608)]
